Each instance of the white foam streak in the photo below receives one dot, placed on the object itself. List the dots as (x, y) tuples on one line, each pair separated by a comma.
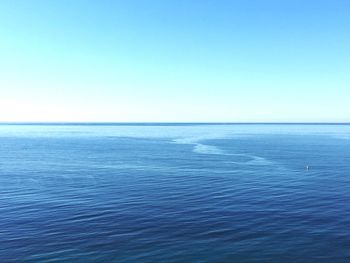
[(207, 149), (211, 149)]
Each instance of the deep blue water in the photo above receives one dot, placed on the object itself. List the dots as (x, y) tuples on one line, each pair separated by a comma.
[(182, 193)]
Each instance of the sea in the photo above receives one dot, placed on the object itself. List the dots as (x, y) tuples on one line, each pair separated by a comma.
[(157, 192)]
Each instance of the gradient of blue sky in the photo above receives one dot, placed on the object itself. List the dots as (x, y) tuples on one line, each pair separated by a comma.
[(179, 60)]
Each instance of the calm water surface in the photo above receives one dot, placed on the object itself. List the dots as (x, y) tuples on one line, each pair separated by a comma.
[(182, 193)]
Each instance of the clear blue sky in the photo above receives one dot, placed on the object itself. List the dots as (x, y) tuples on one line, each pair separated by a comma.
[(180, 60)]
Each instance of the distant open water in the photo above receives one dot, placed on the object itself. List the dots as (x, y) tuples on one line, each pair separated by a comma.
[(181, 193)]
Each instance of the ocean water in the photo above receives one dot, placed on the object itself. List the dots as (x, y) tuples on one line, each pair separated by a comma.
[(175, 193)]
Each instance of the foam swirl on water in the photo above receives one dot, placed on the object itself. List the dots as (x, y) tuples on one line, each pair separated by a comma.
[(207, 149), (211, 149)]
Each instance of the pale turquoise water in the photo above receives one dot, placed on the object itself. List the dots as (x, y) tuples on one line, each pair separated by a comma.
[(182, 193)]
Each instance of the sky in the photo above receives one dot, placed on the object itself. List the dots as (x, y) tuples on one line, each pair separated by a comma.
[(175, 61)]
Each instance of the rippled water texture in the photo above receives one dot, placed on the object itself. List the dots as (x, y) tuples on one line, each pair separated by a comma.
[(182, 193)]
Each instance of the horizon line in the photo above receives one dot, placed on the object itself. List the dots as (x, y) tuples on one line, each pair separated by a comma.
[(151, 123)]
